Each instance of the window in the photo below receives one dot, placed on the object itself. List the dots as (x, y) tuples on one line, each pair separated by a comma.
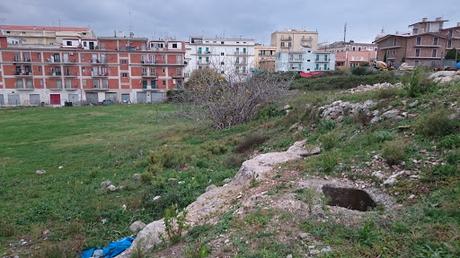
[(222, 53), (123, 61), (419, 41), (317, 66), (174, 45), (85, 44), (282, 44), (164, 82), (434, 53), (58, 84), (435, 41), (69, 43), (207, 59), (124, 75), (153, 84), (222, 63), (200, 50), (207, 50), (394, 42), (178, 71), (449, 43), (354, 48), (325, 67), (244, 50), (417, 52), (144, 84), (222, 42)]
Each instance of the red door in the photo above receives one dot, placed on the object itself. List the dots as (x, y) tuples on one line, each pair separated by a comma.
[(55, 99)]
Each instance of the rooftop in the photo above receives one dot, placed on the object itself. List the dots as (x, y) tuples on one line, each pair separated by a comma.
[(43, 28)]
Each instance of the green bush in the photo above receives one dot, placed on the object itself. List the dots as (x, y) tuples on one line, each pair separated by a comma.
[(166, 157), (394, 152), (327, 163), (361, 70), (326, 125), (450, 141), (382, 136), (250, 142), (417, 83), (329, 140), (343, 81), (436, 123), (387, 93), (175, 223)]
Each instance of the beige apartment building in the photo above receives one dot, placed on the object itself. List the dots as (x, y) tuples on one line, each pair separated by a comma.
[(46, 36), (264, 58), (294, 40)]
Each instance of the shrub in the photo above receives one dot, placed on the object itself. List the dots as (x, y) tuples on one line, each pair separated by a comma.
[(450, 141), (362, 118), (175, 223), (329, 140), (360, 70), (235, 160), (6, 230), (394, 152), (308, 196), (326, 125), (269, 111), (250, 142), (417, 83), (233, 101), (216, 148), (436, 123), (382, 136)]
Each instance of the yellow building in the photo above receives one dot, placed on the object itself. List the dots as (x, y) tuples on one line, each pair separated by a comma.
[(294, 40), (264, 58)]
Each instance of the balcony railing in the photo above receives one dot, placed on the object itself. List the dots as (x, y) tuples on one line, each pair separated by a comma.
[(21, 60), (99, 74), (98, 60), (22, 73), (149, 75), (240, 53), (55, 74), (148, 62)]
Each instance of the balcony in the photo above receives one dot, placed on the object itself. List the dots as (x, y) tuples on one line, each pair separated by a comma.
[(239, 53), (23, 74), (204, 53), (149, 75), (286, 38), (24, 87), (99, 74), (100, 87), (53, 60), (98, 61), (148, 62), (70, 74), (71, 87), (55, 74), (295, 60), (21, 60)]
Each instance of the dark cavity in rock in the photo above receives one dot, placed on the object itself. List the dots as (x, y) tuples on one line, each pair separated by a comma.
[(350, 198)]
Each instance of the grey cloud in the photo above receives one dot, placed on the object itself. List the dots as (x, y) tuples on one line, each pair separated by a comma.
[(248, 18)]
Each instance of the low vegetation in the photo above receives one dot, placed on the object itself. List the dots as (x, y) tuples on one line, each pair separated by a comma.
[(65, 210)]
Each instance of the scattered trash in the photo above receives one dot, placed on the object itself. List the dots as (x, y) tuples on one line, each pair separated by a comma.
[(113, 249), (40, 171)]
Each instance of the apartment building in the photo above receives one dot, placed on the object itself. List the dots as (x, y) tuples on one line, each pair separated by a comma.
[(294, 40), (120, 69), (351, 54), (229, 56), (305, 61), (44, 36), (425, 45), (264, 58)]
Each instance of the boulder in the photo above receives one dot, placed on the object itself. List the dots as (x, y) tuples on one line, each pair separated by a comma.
[(136, 177), (106, 183), (210, 187), (137, 226)]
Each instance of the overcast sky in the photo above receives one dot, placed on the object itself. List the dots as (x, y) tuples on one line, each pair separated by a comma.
[(248, 18)]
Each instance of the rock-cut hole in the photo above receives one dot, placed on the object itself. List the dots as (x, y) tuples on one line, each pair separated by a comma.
[(350, 198)]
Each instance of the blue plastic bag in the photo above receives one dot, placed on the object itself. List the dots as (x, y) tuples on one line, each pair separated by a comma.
[(113, 249)]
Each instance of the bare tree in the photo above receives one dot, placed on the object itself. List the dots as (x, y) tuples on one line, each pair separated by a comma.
[(232, 100)]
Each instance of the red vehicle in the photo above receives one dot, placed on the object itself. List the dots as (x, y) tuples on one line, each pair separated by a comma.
[(309, 74)]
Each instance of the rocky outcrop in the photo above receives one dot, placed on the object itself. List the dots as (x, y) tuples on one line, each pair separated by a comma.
[(377, 86), (213, 203), (444, 77)]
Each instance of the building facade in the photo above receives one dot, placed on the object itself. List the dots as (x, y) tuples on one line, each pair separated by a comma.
[(264, 58), (426, 44), (232, 57), (307, 60), (120, 69), (294, 40), (351, 54)]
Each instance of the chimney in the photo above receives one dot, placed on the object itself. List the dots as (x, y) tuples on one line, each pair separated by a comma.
[(424, 19)]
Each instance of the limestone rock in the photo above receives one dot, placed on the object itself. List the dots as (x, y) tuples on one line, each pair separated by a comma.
[(40, 171), (137, 226)]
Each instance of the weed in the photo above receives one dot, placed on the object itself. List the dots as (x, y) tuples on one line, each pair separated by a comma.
[(308, 196), (327, 163), (197, 250), (394, 152), (450, 141), (387, 93), (6, 229), (175, 223)]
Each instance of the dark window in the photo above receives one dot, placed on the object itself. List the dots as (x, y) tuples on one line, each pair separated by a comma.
[(434, 53), (435, 41), (69, 43), (124, 75), (419, 40), (124, 61), (417, 52), (174, 45), (164, 82)]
